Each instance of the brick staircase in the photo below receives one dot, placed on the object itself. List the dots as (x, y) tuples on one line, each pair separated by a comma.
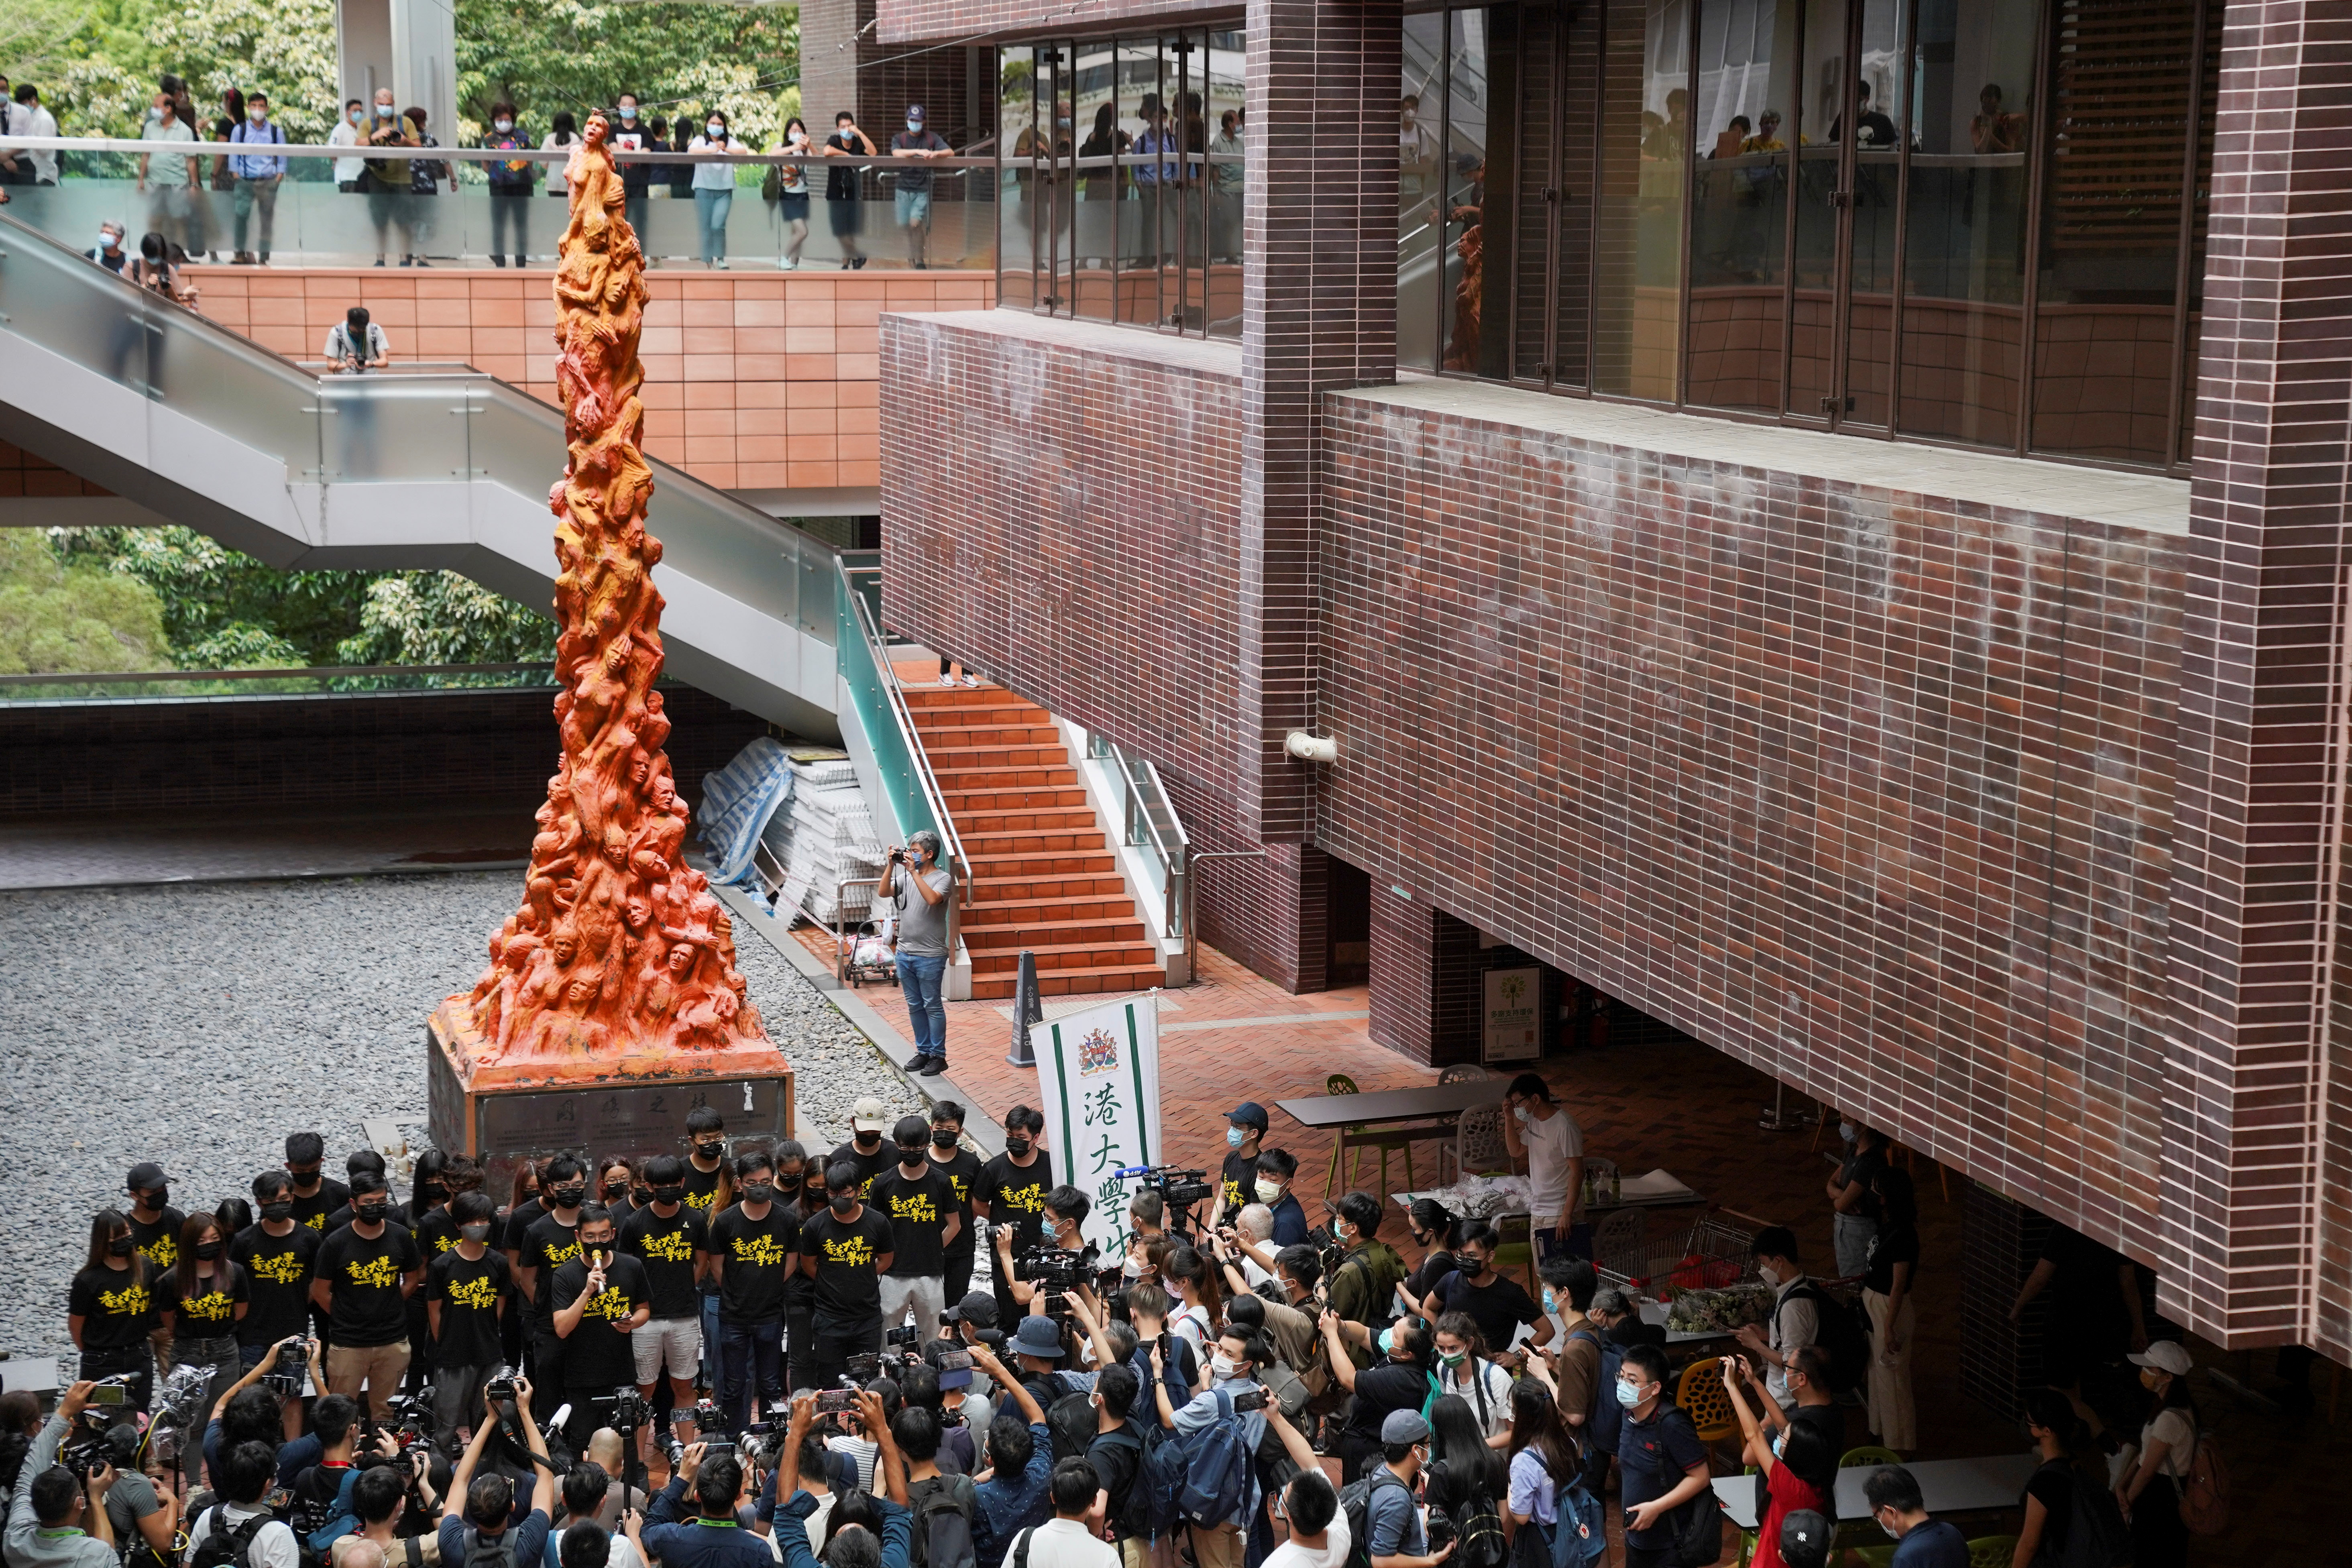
[(1044, 873)]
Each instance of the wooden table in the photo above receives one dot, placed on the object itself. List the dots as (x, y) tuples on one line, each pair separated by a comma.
[(1440, 1104), (1987, 1484)]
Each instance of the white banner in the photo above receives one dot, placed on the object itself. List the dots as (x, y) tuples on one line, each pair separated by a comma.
[(1098, 1072)]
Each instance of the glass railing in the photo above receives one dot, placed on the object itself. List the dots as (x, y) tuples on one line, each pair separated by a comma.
[(184, 685), (422, 422), (1148, 822), (325, 211), (882, 713)]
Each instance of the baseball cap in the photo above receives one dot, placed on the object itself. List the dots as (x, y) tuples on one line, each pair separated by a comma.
[(979, 1309), (146, 1175), (867, 1116), (1250, 1113), (915, 112), (1404, 1427), (1804, 1538), (2164, 1356)]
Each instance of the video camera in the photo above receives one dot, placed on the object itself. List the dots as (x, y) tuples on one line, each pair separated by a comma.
[(954, 1367), (286, 1374), (409, 1418), (100, 1440), (1055, 1270), (1328, 1249), (1179, 1186), (625, 1409), (861, 1369), (760, 1443)]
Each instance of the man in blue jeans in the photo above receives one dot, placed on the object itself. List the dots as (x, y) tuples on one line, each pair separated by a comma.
[(921, 889)]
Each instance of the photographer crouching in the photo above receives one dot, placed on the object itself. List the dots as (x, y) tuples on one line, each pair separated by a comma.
[(57, 1518)]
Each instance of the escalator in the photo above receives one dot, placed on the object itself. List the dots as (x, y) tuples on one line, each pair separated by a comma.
[(444, 470)]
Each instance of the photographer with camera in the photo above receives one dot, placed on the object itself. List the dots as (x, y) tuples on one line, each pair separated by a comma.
[(601, 1298), (588, 1497), (1011, 1495), (466, 1292), (262, 1404), (673, 1244), (866, 1531), (757, 1244), (552, 1241), (1147, 1312), (962, 1167), (844, 1247), (58, 1519), (241, 1530), (922, 923), (1362, 1289), (1400, 1380), (112, 1311), (1222, 1430), (487, 1535), (144, 1516), (711, 1538), (1066, 1210), (365, 1273), (925, 1219), (1012, 1192)]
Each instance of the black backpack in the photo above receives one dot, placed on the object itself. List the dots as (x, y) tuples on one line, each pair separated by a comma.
[(2097, 1535), (1356, 1503), (229, 1548), (1130, 1504), (1479, 1540), (942, 1525), (497, 1552), (1071, 1420), (1845, 1333)]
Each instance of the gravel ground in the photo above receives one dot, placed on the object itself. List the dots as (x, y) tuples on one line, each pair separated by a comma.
[(197, 1024)]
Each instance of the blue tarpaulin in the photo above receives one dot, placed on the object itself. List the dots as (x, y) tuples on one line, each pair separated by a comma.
[(736, 801)]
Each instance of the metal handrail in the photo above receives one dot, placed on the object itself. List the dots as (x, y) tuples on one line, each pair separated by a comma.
[(885, 160), (1150, 823), (902, 717), (1192, 942)]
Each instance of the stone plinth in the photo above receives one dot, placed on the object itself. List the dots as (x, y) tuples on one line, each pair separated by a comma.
[(622, 1103)]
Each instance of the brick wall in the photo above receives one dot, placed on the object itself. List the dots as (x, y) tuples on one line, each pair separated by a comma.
[(752, 382), (258, 753)]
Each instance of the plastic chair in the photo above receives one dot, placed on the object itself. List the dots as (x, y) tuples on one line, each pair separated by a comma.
[(1990, 1552), (1464, 1072), (1360, 1141), (1478, 1147), (1621, 1242), (1704, 1399), (1853, 1535)]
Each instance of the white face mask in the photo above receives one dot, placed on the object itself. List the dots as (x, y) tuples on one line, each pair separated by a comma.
[(383, 111), (1132, 1269), (1520, 1114), (1845, 1132), (1268, 1192), (108, 241), (1222, 1365), (716, 131), (1770, 1276), (800, 138), (915, 127), (505, 125), (258, 114)]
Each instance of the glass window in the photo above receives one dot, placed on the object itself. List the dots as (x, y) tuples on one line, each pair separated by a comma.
[(1097, 184), (1420, 186), (1017, 218), (1228, 167), (1644, 173), (1739, 203), (1464, 228)]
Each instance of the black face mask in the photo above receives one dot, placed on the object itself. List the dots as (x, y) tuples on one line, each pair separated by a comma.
[(815, 1191), (910, 1153), (614, 1191), (758, 1192), (843, 1203), (1015, 1145), (277, 1211), (567, 1197), (709, 1148), (641, 1195), (122, 1246), (156, 1199), (208, 1250), (669, 1194), (942, 1138), (428, 1194), (369, 1214), (305, 1179), (868, 1140)]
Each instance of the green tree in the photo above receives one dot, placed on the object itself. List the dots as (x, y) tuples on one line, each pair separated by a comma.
[(58, 618), (683, 59), (441, 617), (220, 604), (98, 61)]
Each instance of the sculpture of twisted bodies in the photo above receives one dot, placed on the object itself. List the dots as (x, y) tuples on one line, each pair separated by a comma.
[(619, 947)]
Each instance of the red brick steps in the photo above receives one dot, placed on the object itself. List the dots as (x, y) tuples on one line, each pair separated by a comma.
[(1046, 876)]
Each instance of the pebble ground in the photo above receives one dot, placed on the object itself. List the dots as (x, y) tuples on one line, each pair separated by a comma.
[(197, 1024)]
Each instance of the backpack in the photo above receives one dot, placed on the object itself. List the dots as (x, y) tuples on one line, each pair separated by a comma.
[(1356, 1503), (481, 1553), (1131, 1506), (2205, 1491), (1071, 1421), (1217, 1467), (1162, 1481), (322, 1511), (1478, 1540), (1845, 1334), (2097, 1535), (229, 1548), (942, 1525), (1696, 1529), (1580, 1539)]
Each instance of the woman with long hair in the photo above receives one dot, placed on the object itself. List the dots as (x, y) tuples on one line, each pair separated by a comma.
[(207, 1294), (111, 1311), (1463, 1370), (616, 1174), (1191, 1280), (564, 130), (714, 188), (1798, 1470), (791, 197), (2072, 1470), (1437, 1231), (1467, 1477), (1543, 1459)]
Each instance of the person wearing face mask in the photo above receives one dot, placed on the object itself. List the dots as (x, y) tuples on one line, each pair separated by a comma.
[(113, 1308), (616, 1177), (918, 145), (257, 175), (109, 252), (1575, 1371), (1397, 1379), (1395, 1537), (710, 1189), (962, 1167), (1232, 1367), (155, 1224), (1012, 1191), (1662, 1462), (755, 1246), (629, 133), (1364, 1284), (171, 213), (1796, 1315), (1552, 1144), (2149, 1490), (925, 1217), (465, 1295), (844, 210), (511, 181), (385, 181), (552, 1241), (866, 1151), (1897, 1508), (1854, 1204), (315, 1194), (714, 188), (368, 1161), (844, 1247), (276, 1254), (673, 1244), (208, 1297), (1065, 1218), (1276, 1168), (1797, 1467), (1496, 1304), (787, 187), (1245, 1127), (351, 131), (362, 1276), (601, 1300)]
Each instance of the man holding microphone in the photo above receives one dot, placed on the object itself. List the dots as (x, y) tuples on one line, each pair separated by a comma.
[(920, 888)]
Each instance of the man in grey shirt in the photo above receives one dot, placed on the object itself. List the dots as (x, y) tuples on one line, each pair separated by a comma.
[(56, 1519), (920, 888)]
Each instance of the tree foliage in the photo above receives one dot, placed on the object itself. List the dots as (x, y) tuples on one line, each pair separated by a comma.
[(61, 618), (440, 617)]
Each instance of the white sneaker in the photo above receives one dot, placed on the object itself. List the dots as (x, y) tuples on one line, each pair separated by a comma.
[(789, 264), (972, 681), (947, 680)]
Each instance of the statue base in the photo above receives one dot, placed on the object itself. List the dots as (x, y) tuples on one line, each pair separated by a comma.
[(503, 1113)]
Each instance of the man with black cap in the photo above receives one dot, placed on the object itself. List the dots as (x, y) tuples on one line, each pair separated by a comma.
[(154, 1223), (1036, 1349), (865, 1148), (925, 1217), (964, 1321), (1805, 1539), (917, 145), (1245, 1130)]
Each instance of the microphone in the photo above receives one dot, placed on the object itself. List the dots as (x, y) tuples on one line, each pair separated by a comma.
[(563, 1416)]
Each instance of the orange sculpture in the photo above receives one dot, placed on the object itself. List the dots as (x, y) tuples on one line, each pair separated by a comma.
[(620, 955)]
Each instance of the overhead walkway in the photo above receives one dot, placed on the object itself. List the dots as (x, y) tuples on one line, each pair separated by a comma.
[(441, 469)]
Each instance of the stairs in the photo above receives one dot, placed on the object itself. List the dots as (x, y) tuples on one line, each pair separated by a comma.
[(1044, 875)]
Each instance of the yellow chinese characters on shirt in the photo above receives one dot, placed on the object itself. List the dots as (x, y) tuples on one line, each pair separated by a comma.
[(211, 1307), (611, 1303), (284, 1268), (761, 1251), (915, 1206), (675, 1247), (1029, 1199), (853, 1252), (379, 1271), (480, 1294), (556, 1255), (131, 1301), (164, 1251)]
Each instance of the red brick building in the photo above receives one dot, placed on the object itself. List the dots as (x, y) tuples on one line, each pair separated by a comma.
[(1825, 521)]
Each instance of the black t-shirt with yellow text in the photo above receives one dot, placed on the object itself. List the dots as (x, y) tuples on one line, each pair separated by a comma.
[(1015, 1194), (1239, 1178), (753, 1254), (848, 1290), (158, 1240), (363, 1280), (919, 1210), (313, 1210), (702, 1190), (597, 1353), (117, 1306), (469, 1290), (869, 1163), (550, 1245), (208, 1307), (666, 1248), (278, 1282), (963, 1172)]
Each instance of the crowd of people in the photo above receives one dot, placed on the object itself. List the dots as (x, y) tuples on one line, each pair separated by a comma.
[(897, 1354)]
